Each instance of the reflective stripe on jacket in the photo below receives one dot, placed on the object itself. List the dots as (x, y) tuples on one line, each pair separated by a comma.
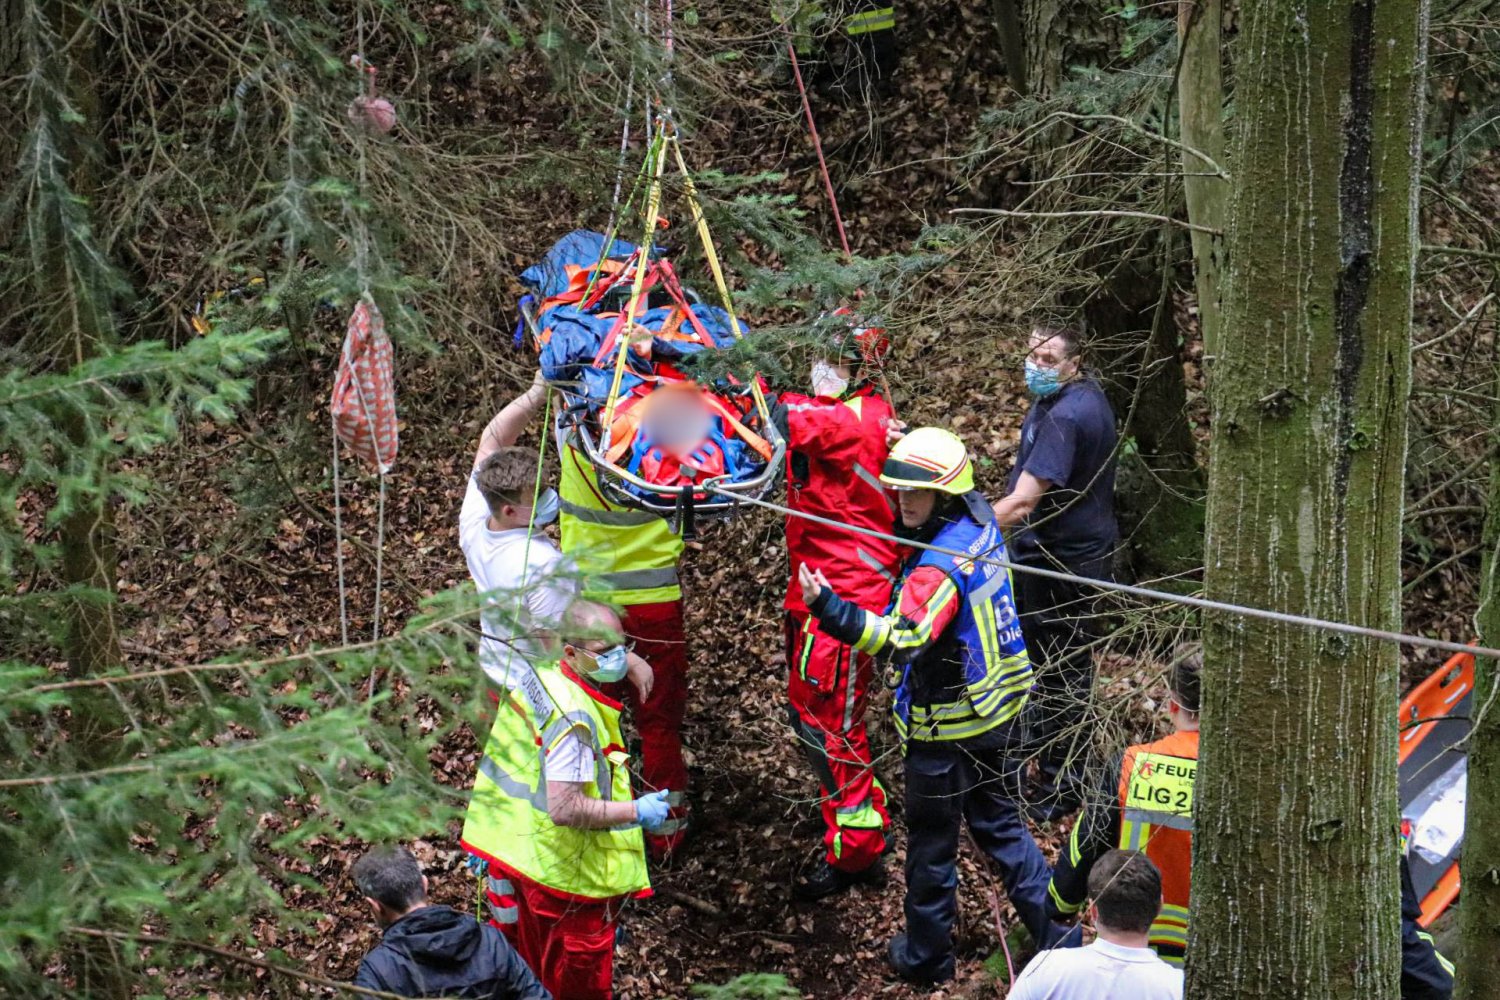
[(980, 677), (629, 555), (1156, 816), (507, 820)]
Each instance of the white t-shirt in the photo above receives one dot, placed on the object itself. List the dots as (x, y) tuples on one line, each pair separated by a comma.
[(1102, 971), (525, 573), (571, 760)]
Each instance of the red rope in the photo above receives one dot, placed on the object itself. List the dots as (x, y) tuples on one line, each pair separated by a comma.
[(812, 127)]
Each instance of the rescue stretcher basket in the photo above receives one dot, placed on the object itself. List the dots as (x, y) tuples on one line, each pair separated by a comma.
[(715, 497), (1432, 779)]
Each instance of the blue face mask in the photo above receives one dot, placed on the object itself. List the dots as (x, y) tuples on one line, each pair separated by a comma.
[(1041, 381), (545, 511), (609, 666)]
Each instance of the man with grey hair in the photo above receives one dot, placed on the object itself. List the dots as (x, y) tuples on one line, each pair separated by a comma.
[(553, 820), (433, 951)]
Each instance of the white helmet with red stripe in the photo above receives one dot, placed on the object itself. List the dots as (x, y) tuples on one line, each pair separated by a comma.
[(929, 458)]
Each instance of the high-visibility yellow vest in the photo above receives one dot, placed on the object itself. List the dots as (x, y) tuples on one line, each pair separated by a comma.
[(1156, 816), (630, 556), (507, 821)]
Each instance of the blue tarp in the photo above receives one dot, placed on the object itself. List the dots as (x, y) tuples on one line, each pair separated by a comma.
[(576, 337), (580, 248)]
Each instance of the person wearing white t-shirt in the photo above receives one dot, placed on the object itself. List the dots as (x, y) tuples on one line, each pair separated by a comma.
[(1126, 890), (510, 558)]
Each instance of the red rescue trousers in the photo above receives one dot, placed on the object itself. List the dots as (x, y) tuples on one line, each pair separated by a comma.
[(568, 942), (657, 631), (829, 688)]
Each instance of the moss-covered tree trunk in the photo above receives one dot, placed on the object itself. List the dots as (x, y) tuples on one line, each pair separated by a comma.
[(1200, 103), (1479, 907), (1295, 888)]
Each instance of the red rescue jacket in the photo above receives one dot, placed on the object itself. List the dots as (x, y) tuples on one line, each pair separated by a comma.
[(838, 449)]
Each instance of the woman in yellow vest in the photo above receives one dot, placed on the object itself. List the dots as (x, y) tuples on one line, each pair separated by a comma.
[(552, 813)]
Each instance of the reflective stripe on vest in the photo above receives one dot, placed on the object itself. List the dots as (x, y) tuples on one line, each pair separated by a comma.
[(997, 672), (507, 818), (630, 554), (1156, 817), (638, 579), (866, 21), (619, 518)]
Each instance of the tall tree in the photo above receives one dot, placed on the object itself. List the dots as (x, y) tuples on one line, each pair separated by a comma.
[(1479, 916), (1200, 102), (1295, 878)]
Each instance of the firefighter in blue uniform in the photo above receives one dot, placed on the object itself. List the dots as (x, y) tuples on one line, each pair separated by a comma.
[(953, 638)]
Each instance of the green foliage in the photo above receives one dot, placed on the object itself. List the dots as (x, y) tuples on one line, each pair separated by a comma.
[(754, 986), (194, 799)]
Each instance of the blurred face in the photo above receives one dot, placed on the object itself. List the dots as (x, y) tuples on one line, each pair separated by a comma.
[(916, 506), (1051, 352)]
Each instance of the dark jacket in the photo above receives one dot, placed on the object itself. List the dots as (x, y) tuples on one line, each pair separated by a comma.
[(438, 952)]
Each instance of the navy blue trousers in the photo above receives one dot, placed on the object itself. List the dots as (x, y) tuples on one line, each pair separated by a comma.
[(948, 784)]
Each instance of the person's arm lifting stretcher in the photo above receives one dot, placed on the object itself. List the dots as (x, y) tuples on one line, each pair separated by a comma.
[(505, 427)]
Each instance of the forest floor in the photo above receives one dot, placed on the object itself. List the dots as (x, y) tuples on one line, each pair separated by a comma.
[(722, 908)]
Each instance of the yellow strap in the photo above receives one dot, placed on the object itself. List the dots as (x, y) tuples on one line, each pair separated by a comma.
[(653, 202), (711, 254)]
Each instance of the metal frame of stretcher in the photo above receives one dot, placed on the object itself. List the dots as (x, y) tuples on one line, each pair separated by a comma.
[(680, 503)]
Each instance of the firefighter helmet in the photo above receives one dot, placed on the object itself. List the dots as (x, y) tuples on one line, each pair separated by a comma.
[(929, 458)]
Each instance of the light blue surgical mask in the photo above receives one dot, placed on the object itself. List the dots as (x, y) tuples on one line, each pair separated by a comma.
[(1041, 381), (609, 666), (545, 511)]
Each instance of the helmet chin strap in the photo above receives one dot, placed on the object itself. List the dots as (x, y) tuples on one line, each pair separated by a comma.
[(979, 508)]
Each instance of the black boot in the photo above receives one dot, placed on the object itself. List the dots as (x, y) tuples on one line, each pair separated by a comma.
[(896, 958), (827, 880)]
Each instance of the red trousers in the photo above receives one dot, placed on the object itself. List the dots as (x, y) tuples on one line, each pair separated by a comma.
[(569, 943), (829, 688), (661, 641)]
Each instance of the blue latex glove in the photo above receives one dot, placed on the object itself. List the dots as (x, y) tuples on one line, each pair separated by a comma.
[(651, 810), (477, 865)]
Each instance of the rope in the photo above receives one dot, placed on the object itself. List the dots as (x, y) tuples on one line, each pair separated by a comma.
[(361, 267), (653, 204), (614, 202), (711, 254), (812, 128), (833, 201), (338, 534), (379, 562), (1202, 603)]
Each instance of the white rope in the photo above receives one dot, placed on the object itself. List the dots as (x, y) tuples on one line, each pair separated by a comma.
[(338, 534), (379, 556), (1202, 603)]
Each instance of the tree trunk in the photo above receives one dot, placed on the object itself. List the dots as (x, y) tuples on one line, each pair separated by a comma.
[(77, 330), (1295, 889), (1479, 906), (1012, 31), (77, 320), (1200, 104)]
